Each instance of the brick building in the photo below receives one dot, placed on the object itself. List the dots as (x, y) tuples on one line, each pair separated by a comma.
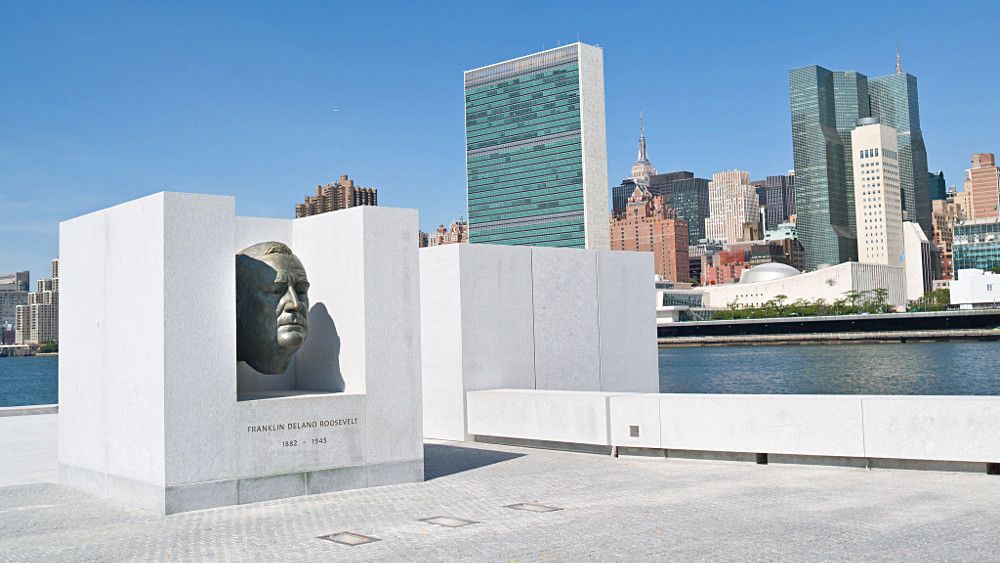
[(457, 233), (341, 194), (727, 267), (650, 225)]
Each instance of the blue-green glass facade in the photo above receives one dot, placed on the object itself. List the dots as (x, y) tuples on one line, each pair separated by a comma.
[(524, 153), (825, 106), (689, 198), (936, 187), (823, 205), (976, 244), (894, 102)]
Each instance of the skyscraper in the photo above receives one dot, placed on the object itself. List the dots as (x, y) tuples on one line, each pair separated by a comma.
[(648, 224), (894, 102), (620, 195), (535, 150), (945, 214), (341, 194), (780, 199), (936, 187), (825, 105), (982, 182), (689, 198), (877, 196), (643, 168), (824, 206), (733, 205)]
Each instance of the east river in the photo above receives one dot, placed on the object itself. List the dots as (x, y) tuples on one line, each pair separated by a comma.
[(946, 368)]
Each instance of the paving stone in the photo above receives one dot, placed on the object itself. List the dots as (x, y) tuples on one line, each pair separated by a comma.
[(629, 507)]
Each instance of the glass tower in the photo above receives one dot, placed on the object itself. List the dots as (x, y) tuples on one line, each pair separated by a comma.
[(825, 106), (822, 202), (894, 102), (535, 150)]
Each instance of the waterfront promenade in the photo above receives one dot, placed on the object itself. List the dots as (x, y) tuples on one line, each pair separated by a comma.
[(629, 507)]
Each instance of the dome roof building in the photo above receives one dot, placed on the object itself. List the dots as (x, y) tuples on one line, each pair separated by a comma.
[(768, 272)]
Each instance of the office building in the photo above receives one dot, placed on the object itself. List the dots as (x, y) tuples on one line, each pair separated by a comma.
[(877, 197), (824, 200), (779, 199), (916, 260), (535, 150), (976, 244), (15, 281), (733, 207), (648, 225), (945, 214), (784, 246), (620, 195), (825, 106), (38, 321), (9, 301), (14, 289), (982, 183), (936, 187), (341, 194), (423, 239), (687, 195), (689, 198), (663, 184), (894, 101)]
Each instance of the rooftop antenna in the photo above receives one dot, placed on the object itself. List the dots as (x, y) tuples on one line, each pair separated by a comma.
[(899, 63)]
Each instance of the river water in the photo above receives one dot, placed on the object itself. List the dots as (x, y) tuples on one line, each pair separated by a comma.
[(945, 368)]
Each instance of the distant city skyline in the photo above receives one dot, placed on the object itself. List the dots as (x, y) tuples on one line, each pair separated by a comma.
[(109, 103)]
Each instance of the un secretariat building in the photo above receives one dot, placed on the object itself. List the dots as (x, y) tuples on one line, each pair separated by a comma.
[(535, 150)]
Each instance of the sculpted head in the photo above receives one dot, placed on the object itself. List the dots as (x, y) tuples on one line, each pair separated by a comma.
[(271, 306)]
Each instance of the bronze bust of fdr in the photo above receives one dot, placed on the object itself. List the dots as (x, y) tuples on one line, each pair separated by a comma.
[(271, 306)]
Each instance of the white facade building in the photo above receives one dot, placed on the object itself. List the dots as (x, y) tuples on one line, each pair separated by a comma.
[(975, 287), (877, 197), (762, 283), (916, 260), (732, 203)]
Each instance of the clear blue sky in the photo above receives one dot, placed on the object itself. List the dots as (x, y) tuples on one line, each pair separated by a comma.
[(103, 102)]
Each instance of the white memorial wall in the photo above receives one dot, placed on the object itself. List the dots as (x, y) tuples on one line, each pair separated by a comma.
[(517, 317), (155, 411)]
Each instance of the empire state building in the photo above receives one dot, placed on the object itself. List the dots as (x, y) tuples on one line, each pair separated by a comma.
[(642, 170)]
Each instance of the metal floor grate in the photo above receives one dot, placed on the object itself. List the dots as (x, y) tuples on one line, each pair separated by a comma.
[(349, 538), (448, 521)]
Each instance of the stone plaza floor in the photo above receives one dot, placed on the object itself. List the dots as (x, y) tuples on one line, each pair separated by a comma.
[(625, 508)]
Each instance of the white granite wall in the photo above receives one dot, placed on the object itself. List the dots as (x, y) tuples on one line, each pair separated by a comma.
[(148, 378), (495, 317)]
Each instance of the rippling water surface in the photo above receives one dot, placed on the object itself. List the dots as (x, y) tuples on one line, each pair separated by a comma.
[(29, 381), (944, 368), (883, 369)]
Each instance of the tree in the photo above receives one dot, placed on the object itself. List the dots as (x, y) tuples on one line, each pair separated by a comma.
[(854, 297), (880, 300), (995, 269)]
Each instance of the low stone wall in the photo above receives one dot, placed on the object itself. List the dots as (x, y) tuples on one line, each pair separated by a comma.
[(959, 429)]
